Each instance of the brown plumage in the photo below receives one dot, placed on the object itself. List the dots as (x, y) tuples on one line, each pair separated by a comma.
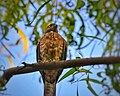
[(51, 47)]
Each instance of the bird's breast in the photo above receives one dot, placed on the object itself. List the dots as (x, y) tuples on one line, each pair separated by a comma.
[(51, 46)]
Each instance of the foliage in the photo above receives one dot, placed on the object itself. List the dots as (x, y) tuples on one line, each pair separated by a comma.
[(103, 15), (107, 17)]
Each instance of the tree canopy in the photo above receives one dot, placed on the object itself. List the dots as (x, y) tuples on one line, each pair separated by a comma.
[(76, 20)]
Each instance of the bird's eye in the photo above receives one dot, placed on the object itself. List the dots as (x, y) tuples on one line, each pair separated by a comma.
[(49, 25)]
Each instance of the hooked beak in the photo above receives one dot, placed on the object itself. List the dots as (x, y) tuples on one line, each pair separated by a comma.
[(55, 26)]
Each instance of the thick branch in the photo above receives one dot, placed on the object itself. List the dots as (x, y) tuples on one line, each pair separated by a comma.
[(27, 68)]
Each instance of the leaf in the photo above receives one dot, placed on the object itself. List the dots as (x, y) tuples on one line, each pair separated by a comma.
[(88, 80), (92, 49), (43, 26), (10, 61), (91, 89), (70, 72), (79, 5), (77, 91), (89, 86), (38, 12), (5, 28), (110, 44), (85, 70), (82, 21), (32, 4), (24, 39), (37, 36), (99, 74), (82, 28), (96, 81), (18, 42), (92, 80), (72, 79), (87, 44), (95, 37), (6, 47), (82, 70)]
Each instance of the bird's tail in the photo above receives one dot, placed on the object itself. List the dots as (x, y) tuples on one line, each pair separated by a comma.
[(49, 89)]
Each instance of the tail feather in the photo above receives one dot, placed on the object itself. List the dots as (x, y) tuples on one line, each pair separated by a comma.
[(49, 89)]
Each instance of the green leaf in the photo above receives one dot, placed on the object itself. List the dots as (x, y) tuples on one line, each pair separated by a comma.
[(110, 44), (32, 4), (91, 89), (95, 37), (88, 80), (96, 81), (79, 5), (70, 72), (89, 86), (82, 21), (82, 30), (99, 74), (37, 36), (5, 28), (99, 16), (92, 80), (38, 12)]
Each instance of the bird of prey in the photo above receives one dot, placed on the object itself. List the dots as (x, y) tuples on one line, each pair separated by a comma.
[(51, 47)]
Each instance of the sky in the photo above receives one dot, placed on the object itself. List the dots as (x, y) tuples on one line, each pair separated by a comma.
[(31, 84)]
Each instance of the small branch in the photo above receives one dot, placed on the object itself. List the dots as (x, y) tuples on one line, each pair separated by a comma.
[(7, 49), (28, 68)]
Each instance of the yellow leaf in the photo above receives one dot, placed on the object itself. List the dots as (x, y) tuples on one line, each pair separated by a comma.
[(24, 39), (85, 70), (10, 61)]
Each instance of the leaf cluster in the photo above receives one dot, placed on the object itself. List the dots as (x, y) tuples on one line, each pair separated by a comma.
[(36, 14)]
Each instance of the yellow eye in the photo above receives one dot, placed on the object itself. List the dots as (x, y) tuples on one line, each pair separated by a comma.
[(49, 25)]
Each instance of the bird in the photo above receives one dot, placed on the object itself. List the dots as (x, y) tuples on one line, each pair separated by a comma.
[(51, 47)]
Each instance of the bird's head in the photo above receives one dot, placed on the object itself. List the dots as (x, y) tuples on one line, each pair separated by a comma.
[(51, 27)]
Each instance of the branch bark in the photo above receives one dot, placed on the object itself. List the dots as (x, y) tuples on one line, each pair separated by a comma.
[(28, 68)]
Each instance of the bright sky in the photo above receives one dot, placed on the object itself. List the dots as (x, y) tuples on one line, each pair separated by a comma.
[(29, 84)]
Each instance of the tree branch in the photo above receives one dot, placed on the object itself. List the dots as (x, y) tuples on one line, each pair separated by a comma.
[(28, 68)]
